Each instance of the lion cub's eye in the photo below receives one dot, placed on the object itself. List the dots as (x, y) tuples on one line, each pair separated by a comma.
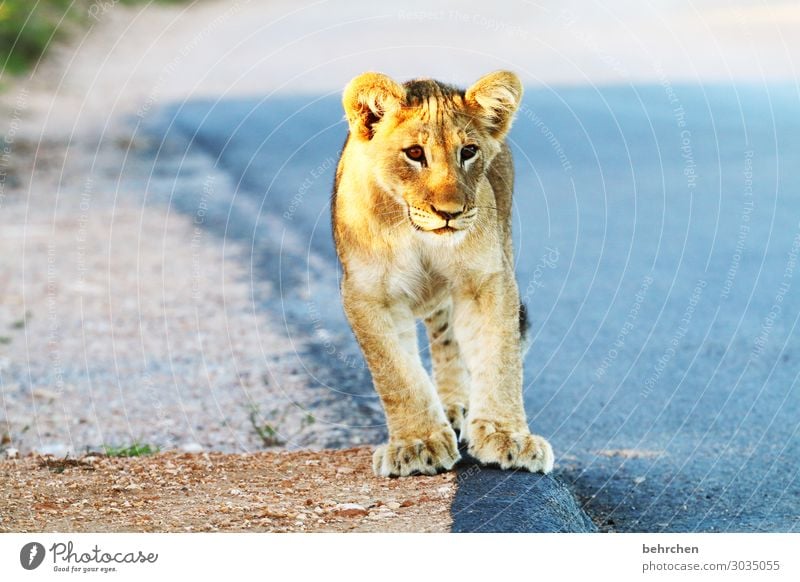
[(468, 152), (415, 153)]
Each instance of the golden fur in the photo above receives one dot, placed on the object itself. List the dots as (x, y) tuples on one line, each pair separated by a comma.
[(422, 223)]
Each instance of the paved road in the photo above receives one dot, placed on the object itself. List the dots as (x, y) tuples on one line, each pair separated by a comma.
[(657, 229)]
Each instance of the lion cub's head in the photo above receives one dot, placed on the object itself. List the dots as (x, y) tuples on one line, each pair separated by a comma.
[(429, 144)]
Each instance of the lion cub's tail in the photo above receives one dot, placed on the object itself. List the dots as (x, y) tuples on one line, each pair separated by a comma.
[(524, 329)]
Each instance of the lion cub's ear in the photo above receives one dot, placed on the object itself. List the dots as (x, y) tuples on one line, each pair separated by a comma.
[(495, 99), (367, 98)]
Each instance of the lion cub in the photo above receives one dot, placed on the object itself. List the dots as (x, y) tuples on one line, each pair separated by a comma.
[(422, 224)]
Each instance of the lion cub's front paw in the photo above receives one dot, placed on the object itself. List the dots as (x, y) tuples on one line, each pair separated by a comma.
[(509, 449), (402, 457)]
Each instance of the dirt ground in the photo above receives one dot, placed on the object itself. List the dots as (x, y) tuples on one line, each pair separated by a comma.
[(304, 491)]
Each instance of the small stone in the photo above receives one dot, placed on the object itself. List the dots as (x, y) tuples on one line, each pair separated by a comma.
[(45, 394), (55, 449), (12, 453), (350, 510), (192, 448), (235, 492), (393, 505), (406, 503), (382, 515), (345, 471)]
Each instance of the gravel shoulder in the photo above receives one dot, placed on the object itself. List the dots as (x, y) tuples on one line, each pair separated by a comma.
[(301, 491), (123, 322)]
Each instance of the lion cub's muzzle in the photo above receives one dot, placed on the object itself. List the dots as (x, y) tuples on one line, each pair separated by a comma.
[(440, 221)]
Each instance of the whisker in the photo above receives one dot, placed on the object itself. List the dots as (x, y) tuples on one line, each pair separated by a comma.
[(389, 214)]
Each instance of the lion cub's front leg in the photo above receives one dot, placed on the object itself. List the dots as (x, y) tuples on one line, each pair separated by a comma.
[(420, 438), (449, 371), (487, 327)]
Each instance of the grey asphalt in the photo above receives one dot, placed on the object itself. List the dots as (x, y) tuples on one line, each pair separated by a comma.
[(657, 230)]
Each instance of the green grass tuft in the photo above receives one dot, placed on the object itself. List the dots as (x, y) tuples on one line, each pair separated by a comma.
[(270, 433), (27, 27), (135, 450)]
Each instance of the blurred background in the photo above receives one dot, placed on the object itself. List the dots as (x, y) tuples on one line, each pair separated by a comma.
[(167, 274)]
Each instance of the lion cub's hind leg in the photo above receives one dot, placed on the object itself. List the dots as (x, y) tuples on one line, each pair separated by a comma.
[(449, 371)]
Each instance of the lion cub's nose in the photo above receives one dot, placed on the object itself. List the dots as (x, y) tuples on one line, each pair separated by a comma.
[(448, 211)]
